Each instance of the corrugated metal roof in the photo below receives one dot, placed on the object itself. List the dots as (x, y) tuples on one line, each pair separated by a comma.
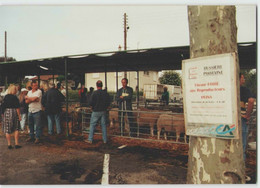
[(157, 59)]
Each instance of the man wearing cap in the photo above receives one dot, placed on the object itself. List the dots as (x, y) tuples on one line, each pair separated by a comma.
[(99, 102)]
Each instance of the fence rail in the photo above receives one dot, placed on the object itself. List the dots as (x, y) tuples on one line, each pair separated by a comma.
[(154, 125)]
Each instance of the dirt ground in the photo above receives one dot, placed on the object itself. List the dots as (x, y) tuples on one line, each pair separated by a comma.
[(59, 160)]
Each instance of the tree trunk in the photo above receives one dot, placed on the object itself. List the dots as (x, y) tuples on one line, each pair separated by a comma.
[(212, 160)]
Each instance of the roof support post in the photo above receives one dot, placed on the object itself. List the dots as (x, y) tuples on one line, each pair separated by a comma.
[(67, 94), (116, 79), (105, 76), (6, 81), (137, 89), (53, 78), (39, 81)]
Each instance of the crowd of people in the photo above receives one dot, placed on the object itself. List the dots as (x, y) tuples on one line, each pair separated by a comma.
[(18, 104)]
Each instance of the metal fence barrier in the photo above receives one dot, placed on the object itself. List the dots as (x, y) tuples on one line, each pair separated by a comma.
[(156, 125), (143, 124)]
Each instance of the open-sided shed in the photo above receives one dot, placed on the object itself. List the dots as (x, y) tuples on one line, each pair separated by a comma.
[(156, 59)]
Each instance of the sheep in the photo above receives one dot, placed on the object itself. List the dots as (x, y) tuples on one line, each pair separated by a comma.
[(145, 116), (113, 117), (114, 120), (171, 123), (74, 116)]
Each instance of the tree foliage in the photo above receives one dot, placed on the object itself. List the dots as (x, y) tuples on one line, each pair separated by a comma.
[(170, 78), (2, 59), (60, 78)]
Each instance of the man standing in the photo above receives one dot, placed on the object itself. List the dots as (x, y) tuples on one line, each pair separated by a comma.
[(83, 95), (245, 97), (33, 98), (52, 101), (124, 99), (165, 96), (99, 102)]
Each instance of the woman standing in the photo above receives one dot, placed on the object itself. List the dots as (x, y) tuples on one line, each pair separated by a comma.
[(23, 108), (11, 116)]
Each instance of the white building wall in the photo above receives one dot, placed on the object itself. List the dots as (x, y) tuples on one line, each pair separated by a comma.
[(150, 77)]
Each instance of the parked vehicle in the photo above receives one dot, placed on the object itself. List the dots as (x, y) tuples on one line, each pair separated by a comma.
[(153, 92), (175, 93)]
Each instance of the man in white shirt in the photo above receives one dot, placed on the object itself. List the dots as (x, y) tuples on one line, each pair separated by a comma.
[(33, 98)]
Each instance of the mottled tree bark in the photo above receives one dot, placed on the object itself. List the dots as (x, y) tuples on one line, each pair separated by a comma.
[(212, 160)]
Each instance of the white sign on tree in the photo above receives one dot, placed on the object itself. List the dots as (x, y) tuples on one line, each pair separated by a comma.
[(209, 90)]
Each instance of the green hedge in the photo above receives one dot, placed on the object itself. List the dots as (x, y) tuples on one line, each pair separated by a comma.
[(74, 96)]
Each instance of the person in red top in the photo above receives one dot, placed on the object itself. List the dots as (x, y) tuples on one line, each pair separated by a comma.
[(83, 95)]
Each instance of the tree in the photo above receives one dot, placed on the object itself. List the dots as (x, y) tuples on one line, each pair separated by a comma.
[(211, 160), (170, 78), (2, 59)]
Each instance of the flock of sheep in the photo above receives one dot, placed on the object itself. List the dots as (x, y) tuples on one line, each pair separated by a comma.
[(164, 121)]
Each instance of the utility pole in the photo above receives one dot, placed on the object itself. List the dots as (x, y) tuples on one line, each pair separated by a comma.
[(5, 46), (126, 27)]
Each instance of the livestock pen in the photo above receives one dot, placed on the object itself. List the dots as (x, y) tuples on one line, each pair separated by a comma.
[(149, 124), (143, 121)]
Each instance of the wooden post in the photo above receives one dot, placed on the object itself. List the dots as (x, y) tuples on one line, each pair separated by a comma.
[(125, 38), (5, 46)]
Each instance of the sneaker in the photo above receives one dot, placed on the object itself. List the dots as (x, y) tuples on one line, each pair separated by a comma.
[(17, 146), (88, 141), (37, 141), (30, 140), (10, 147)]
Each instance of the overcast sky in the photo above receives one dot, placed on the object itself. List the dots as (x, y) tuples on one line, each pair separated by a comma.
[(40, 31)]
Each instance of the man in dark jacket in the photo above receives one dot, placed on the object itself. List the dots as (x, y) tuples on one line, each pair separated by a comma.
[(124, 99), (99, 102), (165, 96), (52, 100)]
